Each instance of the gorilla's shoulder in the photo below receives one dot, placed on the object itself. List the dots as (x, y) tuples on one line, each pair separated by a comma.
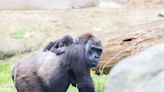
[(35, 59)]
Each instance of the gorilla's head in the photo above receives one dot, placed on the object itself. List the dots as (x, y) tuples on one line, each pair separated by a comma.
[(93, 52), (93, 49)]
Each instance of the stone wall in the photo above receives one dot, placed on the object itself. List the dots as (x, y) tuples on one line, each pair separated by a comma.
[(46, 4)]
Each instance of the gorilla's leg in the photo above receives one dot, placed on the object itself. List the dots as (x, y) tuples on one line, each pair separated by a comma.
[(28, 84)]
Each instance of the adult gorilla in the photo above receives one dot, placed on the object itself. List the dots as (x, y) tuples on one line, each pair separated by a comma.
[(46, 72)]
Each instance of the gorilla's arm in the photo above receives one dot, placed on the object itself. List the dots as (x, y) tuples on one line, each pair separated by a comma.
[(84, 83), (57, 51), (81, 73)]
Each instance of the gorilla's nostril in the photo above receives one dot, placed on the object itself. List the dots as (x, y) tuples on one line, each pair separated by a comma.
[(96, 56)]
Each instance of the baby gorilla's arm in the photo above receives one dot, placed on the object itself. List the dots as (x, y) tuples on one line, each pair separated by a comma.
[(48, 47), (57, 51)]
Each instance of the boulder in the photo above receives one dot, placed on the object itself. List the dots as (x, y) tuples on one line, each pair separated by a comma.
[(20, 43), (135, 1), (143, 72)]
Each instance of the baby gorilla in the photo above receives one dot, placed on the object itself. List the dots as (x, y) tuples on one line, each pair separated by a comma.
[(55, 45)]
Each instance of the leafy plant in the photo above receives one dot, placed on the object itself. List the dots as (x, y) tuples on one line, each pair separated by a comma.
[(18, 34)]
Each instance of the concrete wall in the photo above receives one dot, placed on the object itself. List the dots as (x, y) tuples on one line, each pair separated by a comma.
[(68, 4), (46, 4)]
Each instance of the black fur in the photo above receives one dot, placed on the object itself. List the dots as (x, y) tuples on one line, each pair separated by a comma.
[(46, 72), (55, 45)]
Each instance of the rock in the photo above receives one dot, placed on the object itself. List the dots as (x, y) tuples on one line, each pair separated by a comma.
[(62, 4), (13, 44), (143, 72), (136, 1), (130, 3), (109, 4), (46, 4), (70, 4)]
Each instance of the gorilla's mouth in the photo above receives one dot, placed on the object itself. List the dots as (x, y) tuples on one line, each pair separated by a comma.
[(93, 63)]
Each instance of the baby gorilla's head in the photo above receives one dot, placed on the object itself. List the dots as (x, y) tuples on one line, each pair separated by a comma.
[(66, 41)]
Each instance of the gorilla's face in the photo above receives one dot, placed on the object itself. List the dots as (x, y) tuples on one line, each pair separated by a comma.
[(93, 52)]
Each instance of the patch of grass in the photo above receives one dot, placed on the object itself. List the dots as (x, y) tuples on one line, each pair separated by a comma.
[(99, 83), (6, 83), (17, 34), (72, 89)]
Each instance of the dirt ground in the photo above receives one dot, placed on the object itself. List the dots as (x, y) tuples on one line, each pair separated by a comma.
[(46, 25)]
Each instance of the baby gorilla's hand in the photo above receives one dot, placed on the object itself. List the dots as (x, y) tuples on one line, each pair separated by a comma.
[(58, 51)]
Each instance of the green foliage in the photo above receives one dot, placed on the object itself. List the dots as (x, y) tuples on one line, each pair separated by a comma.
[(72, 89), (17, 34), (6, 83), (99, 83)]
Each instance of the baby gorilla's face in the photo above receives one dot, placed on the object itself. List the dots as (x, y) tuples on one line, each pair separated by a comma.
[(65, 43), (68, 43), (66, 40), (61, 44)]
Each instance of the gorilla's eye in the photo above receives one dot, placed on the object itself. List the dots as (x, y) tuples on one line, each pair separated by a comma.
[(96, 49), (93, 49)]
